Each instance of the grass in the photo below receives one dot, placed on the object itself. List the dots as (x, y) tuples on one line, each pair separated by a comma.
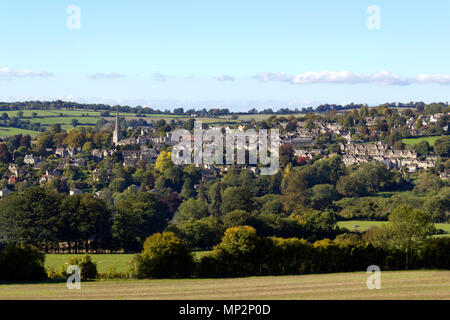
[(408, 285), (4, 132), (359, 225), (413, 141), (105, 262)]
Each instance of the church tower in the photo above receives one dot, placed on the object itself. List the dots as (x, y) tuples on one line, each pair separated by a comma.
[(116, 134)]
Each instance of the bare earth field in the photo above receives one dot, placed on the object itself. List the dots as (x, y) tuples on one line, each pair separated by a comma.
[(408, 285)]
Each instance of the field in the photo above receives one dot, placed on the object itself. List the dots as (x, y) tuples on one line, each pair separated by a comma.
[(413, 141), (356, 225), (4, 132), (121, 262), (86, 118), (394, 285), (105, 262)]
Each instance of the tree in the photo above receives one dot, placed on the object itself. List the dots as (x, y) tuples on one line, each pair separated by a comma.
[(323, 195), (164, 256), (237, 198), (25, 141), (118, 184), (407, 231), (188, 190), (295, 190), (422, 148), (86, 219), (22, 263), (442, 146), (30, 217), (286, 154), (137, 217), (236, 218), (191, 208), (239, 252), (215, 197), (5, 157), (201, 233), (125, 228), (291, 126), (174, 177), (438, 205), (428, 183), (88, 146), (163, 161)]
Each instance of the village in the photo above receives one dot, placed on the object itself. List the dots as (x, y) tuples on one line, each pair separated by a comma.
[(304, 138)]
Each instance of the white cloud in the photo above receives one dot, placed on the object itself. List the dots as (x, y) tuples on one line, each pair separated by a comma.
[(271, 76), (108, 76), (433, 78), (348, 77), (24, 73), (223, 78), (382, 78)]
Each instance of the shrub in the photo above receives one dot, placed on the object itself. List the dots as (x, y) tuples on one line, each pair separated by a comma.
[(22, 263), (88, 268), (287, 256), (164, 256), (436, 253), (114, 274), (239, 253)]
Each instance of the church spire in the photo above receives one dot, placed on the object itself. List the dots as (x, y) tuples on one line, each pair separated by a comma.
[(116, 134)]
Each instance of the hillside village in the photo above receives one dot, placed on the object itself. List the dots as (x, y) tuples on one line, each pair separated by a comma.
[(310, 138)]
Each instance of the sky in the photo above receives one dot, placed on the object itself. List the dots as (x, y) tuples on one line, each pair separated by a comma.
[(233, 54)]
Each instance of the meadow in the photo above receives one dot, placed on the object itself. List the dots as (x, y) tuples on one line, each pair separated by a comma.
[(5, 132), (413, 141), (87, 118), (360, 225), (105, 262), (410, 285)]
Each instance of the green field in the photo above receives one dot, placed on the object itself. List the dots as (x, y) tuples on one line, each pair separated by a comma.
[(5, 132), (413, 141), (407, 285), (87, 118), (105, 262), (358, 225)]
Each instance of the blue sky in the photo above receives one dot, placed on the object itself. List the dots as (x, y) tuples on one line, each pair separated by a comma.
[(236, 54)]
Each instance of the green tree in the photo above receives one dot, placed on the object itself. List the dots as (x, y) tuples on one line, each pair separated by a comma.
[(323, 195), (237, 198), (201, 233), (30, 217), (236, 218), (22, 263), (422, 148), (215, 197), (191, 208), (188, 190), (442, 146), (407, 231), (137, 217), (164, 256), (118, 184), (438, 205)]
